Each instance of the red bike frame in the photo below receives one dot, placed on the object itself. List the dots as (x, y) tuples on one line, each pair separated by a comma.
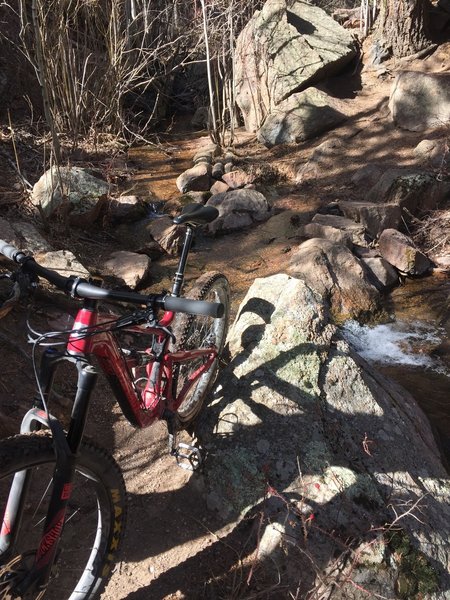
[(140, 408)]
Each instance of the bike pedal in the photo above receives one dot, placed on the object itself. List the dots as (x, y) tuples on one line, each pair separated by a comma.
[(188, 457)]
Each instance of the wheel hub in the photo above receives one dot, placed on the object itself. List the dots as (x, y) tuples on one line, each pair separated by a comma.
[(12, 573)]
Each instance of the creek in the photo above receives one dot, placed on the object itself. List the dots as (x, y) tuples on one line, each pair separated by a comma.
[(413, 349)]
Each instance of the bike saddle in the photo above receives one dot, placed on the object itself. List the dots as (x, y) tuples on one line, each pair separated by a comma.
[(196, 214)]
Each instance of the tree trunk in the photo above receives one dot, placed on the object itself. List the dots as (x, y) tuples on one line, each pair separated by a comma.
[(403, 25)]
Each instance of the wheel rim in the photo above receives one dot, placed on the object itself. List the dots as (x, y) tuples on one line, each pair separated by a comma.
[(83, 541)]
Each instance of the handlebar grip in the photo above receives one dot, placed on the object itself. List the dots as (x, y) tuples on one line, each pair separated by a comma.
[(194, 307), (11, 251)]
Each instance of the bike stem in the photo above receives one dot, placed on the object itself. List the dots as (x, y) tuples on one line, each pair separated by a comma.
[(179, 275)]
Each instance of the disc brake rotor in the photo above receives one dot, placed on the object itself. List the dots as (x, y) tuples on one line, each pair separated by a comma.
[(12, 573)]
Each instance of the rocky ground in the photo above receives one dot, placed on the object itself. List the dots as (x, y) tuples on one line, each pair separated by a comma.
[(175, 547)]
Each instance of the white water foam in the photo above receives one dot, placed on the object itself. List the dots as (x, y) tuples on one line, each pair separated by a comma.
[(396, 343)]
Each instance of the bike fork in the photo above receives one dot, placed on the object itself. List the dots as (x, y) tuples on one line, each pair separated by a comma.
[(66, 448)]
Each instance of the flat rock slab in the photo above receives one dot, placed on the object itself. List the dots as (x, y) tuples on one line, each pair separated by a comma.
[(356, 231), (63, 261)]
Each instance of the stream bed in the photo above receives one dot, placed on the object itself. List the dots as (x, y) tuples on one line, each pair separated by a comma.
[(414, 349)]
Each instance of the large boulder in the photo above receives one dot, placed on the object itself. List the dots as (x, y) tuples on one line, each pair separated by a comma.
[(306, 437), (334, 272), (417, 192), (285, 48), (400, 251), (238, 209), (71, 191), (300, 117), (420, 100)]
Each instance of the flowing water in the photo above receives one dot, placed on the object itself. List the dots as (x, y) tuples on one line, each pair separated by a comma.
[(414, 349)]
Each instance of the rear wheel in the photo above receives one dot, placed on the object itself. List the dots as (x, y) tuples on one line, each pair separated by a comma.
[(92, 528), (195, 331)]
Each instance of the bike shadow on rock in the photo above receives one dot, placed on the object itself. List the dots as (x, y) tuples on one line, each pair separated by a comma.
[(312, 478)]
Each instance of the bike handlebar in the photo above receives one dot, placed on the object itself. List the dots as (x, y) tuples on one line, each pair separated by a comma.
[(79, 288)]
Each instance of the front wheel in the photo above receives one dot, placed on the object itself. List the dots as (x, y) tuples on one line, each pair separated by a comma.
[(92, 528), (195, 331)]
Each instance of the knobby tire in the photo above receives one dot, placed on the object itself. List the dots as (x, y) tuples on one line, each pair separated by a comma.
[(194, 331), (94, 522)]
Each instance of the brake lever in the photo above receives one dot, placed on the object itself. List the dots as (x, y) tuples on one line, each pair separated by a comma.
[(27, 282)]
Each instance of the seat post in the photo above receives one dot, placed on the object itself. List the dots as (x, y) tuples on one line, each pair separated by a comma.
[(179, 275)]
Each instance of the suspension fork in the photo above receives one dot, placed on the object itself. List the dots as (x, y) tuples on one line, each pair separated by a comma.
[(66, 449)]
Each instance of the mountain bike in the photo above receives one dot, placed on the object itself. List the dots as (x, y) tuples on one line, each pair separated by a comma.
[(62, 498)]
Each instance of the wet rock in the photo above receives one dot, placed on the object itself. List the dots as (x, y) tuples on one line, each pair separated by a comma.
[(197, 178), (399, 251), (72, 192), (238, 209), (335, 273), (127, 268)]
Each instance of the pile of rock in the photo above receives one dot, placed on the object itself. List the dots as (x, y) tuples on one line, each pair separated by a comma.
[(355, 251), (231, 190)]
